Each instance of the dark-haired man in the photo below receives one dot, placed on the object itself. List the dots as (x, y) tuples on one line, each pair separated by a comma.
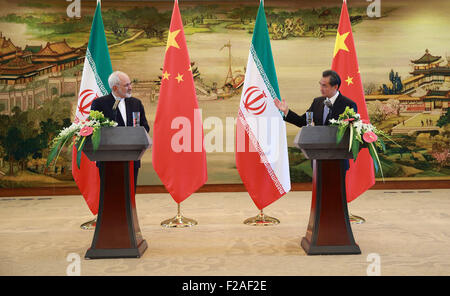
[(329, 106)]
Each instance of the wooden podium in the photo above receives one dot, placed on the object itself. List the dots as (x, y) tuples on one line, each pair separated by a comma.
[(117, 233), (329, 231)]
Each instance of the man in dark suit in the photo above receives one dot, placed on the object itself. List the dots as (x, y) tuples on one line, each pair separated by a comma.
[(329, 106), (119, 106)]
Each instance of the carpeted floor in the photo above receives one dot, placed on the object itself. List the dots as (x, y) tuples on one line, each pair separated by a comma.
[(408, 229)]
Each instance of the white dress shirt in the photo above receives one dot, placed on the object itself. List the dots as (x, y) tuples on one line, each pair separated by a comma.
[(326, 110), (333, 98)]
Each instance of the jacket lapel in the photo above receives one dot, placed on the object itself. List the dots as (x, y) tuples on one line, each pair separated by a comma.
[(129, 112), (108, 111), (118, 116), (319, 118), (337, 107)]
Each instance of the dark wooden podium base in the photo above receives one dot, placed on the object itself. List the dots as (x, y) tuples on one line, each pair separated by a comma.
[(329, 231), (117, 253), (117, 233)]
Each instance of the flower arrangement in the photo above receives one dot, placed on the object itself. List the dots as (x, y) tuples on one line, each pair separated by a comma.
[(362, 134), (77, 133)]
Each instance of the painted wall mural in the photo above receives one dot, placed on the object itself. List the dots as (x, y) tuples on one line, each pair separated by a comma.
[(403, 50)]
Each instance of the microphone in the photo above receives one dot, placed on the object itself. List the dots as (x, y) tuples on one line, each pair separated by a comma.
[(114, 109), (328, 103), (116, 103)]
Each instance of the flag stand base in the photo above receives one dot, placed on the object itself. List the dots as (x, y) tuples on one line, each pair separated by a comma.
[(89, 225), (356, 219), (178, 221), (261, 220)]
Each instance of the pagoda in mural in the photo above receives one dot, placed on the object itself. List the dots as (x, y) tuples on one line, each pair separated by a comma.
[(427, 90), (19, 66), (32, 75), (59, 54)]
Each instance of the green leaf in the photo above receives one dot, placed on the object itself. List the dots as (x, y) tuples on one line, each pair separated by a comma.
[(54, 151), (78, 158), (340, 133), (95, 138), (62, 146), (376, 160), (383, 146), (79, 150), (355, 148), (352, 132), (78, 142), (372, 154)]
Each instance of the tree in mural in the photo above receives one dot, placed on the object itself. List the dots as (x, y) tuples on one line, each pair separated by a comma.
[(379, 111), (18, 138), (393, 107), (397, 85), (244, 14), (440, 150), (116, 22), (25, 135), (441, 143), (444, 119)]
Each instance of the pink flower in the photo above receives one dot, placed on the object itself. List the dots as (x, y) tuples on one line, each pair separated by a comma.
[(76, 121), (370, 137), (349, 119), (86, 131)]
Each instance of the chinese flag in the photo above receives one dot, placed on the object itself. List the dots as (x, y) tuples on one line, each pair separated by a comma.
[(179, 157), (360, 177)]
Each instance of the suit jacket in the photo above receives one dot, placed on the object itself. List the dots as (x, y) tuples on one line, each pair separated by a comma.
[(317, 109), (105, 104)]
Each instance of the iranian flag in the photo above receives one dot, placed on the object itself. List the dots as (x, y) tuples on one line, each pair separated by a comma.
[(360, 176), (261, 149), (94, 84)]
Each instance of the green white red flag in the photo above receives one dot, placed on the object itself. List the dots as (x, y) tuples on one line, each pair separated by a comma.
[(261, 148), (94, 84)]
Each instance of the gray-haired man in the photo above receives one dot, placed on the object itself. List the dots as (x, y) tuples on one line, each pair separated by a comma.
[(119, 106)]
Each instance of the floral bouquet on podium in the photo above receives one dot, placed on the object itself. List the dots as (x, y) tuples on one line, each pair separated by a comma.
[(362, 134), (77, 133)]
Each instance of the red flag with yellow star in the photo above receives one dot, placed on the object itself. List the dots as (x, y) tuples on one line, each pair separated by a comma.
[(179, 157), (360, 177)]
